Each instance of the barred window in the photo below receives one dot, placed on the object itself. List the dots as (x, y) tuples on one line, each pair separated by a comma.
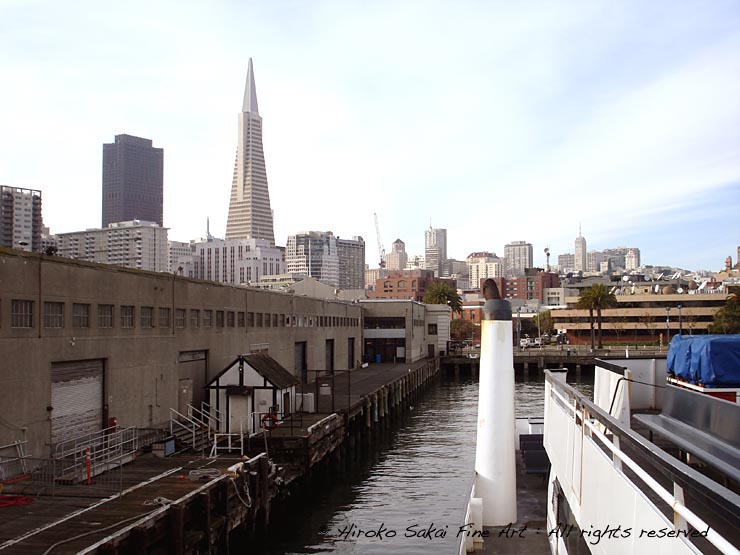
[(194, 318), (240, 319), (259, 319), (179, 317), (268, 320), (127, 316), (164, 317), (207, 318), (21, 314), (274, 320), (250, 319), (220, 318), (80, 315), (282, 320), (105, 315), (53, 315), (230, 318), (147, 317)]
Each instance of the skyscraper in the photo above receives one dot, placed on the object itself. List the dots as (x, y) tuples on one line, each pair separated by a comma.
[(132, 181), (351, 254), (20, 218), (397, 258), (250, 216), (518, 256), (314, 254), (435, 250), (581, 256)]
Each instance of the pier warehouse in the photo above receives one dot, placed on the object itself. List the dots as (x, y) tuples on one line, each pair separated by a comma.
[(85, 345)]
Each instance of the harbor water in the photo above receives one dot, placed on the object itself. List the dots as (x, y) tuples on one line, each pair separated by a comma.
[(406, 492)]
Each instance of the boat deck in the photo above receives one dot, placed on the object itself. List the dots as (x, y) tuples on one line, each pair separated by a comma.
[(529, 533)]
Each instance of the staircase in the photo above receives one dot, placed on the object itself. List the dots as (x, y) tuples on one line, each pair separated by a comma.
[(195, 430)]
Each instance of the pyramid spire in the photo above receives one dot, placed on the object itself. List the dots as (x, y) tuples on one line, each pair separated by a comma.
[(250, 92)]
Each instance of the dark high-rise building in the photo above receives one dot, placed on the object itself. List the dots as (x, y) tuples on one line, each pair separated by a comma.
[(132, 180)]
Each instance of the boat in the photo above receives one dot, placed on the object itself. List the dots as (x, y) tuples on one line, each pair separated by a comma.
[(647, 466)]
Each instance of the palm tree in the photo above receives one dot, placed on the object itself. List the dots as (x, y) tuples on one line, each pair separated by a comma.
[(596, 298), (440, 292)]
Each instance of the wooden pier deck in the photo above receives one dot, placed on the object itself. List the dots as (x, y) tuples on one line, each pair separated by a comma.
[(147, 512), (189, 504)]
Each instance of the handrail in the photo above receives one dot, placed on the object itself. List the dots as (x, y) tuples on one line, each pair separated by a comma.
[(202, 418), (181, 424), (681, 474), (218, 414)]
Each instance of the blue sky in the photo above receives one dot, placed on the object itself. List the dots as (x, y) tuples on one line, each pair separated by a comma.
[(497, 120)]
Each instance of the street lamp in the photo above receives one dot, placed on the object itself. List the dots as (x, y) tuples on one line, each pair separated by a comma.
[(667, 325), (680, 321), (518, 328)]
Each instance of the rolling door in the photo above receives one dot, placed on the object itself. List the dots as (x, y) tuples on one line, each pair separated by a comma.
[(76, 399)]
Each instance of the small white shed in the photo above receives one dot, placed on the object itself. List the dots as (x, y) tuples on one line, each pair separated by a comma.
[(249, 388)]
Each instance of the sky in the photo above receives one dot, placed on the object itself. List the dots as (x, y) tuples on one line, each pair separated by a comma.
[(497, 120)]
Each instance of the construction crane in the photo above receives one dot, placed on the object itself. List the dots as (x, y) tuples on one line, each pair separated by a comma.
[(381, 249)]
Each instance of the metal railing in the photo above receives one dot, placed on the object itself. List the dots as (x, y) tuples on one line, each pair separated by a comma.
[(55, 476), (228, 442), (177, 419), (215, 416), (596, 425)]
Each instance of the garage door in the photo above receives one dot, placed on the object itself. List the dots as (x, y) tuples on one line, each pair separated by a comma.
[(76, 399)]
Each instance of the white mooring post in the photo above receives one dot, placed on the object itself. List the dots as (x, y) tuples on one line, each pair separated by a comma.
[(495, 463)]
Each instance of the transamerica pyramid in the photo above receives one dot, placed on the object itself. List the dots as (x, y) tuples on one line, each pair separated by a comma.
[(249, 208)]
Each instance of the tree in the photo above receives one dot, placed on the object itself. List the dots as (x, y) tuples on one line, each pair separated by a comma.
[(727, 318), (596, 298), (461, 329), (544, 322), (440, 292)]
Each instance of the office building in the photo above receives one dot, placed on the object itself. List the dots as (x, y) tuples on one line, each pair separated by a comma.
[(134, 244), (313, 253), (132, 181), (484, 265), (566, 263), (581, 256), (632, 259), (435, 250), (351, 253), (518, 256), (20, 218), (250, 216), (236, 261), (397, 258)]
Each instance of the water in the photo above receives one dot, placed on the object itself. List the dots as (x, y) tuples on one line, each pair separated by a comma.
[(406, 494)]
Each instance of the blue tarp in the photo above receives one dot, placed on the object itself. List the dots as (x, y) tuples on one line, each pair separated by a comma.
[(708, 360)]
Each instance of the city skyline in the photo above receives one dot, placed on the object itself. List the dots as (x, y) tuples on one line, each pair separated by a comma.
[(622, 117)]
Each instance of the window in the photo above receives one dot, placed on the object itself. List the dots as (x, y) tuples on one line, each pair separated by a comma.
[(268, 320), (80, 315), (207, 318), (282, 320), (259, 319), (432, 329), (53, 315), (230, 318), (274, 320), (220, 318), (105, 315), (250, 319), (179, 317), (164, 317), (127, 316), (194, 318), (21, 314), (146, 317), (240, 318)]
